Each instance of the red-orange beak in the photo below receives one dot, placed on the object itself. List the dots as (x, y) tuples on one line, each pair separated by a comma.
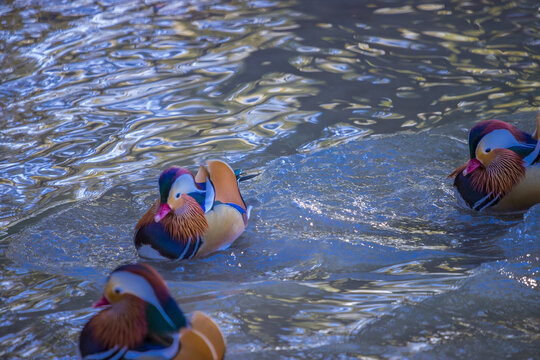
[(472, 165), (164, 209), (101, 302)]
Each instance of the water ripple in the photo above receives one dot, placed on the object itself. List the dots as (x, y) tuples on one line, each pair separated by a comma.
[(332, 102)]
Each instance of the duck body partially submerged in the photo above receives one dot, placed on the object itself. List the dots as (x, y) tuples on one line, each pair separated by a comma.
[(503, 172), (194, 216), (141, 320)]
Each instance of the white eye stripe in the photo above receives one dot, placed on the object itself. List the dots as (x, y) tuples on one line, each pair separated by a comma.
[(184, 184), (498, 139), (138, 286)]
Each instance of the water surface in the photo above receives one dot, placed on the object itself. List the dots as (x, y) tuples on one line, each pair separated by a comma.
[(352, 112)]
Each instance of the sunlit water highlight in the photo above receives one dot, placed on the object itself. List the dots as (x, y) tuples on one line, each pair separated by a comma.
[(353, 113)]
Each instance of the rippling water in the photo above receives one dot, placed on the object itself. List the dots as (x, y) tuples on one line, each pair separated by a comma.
[(353, 112)]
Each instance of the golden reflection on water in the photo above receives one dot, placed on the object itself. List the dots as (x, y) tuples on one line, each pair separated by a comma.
[(97, 97)]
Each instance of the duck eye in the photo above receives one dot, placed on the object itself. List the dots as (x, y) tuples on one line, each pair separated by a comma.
[(488, 150), (178, 195), (117, 290)]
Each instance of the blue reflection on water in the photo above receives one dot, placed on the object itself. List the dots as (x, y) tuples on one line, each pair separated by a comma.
[(353, 113)]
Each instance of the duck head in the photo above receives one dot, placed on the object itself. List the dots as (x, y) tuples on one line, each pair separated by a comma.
[(496, 161), (137, 307), (175, 184), (141, 281)]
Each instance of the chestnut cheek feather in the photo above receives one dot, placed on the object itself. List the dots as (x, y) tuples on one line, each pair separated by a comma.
[(502, 174)]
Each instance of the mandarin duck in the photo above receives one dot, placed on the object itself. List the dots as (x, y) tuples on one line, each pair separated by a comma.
[(142, 321), (503, 173), (194, 215)]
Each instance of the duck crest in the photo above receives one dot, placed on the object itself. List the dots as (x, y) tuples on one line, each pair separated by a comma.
[(483, 128), (166, 180), (151, 276)]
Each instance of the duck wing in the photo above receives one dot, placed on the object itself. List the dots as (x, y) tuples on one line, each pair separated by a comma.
[(225, 184), (202, 341)]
